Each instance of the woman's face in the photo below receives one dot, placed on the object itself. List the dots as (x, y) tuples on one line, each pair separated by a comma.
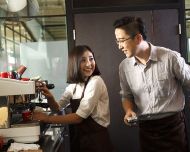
[(87, 64)]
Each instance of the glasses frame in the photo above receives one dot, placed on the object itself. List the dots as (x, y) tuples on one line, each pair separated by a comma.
[(118, 42)]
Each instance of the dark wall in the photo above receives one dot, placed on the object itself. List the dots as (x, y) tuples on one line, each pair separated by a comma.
[(100, 6)]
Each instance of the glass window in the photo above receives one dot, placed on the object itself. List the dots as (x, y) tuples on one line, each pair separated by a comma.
[(10, 55), (17, 37), (2, 33), (42, 32), (9, 33), (187, 17), (187, 4)]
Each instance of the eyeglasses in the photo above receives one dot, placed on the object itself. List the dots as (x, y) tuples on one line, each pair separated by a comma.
[(122, 40)]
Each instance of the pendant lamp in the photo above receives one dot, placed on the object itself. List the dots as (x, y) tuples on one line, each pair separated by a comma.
[(16, 5)]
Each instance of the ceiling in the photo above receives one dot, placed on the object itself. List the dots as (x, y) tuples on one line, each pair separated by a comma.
[(187, 4), (49, 14), (53, 19)]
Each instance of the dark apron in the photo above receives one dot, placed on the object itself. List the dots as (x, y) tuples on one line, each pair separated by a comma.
[(88, 136), (164, 135)]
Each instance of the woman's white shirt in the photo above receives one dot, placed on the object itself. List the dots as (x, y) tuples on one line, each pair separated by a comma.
[(95, 102)]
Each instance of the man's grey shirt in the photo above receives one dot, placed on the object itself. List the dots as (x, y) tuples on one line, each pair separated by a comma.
[(157, 86)]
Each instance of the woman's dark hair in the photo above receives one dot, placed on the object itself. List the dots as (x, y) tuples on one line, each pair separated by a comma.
[(73, 68), (132, 26)]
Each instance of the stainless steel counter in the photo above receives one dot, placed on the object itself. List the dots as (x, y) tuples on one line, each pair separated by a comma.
[(55, 138)]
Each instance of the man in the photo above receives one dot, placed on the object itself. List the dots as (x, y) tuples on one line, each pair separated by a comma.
[(151, 80)]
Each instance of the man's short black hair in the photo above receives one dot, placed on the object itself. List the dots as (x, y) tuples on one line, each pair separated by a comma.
[(132, 25)]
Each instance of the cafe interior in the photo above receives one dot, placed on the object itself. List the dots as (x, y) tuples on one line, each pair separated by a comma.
[(35, 39)]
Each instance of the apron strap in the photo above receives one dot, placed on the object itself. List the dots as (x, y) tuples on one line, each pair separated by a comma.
[(85, 84)]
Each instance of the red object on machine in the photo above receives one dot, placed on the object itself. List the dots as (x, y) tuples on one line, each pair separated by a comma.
[(4, 74), (1, 142), (25, 79)]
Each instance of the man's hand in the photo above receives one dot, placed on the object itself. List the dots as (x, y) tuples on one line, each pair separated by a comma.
[(130, 115)]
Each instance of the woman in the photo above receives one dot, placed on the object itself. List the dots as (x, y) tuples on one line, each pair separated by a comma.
[(88, 97)]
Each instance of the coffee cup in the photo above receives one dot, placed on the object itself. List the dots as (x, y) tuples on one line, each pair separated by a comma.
[(27, 115)]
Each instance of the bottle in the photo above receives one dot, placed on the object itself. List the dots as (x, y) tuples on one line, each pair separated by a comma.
[(19, 72)]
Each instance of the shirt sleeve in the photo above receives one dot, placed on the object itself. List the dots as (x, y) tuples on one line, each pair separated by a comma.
[(91, 97), (125, 89), (181, 69), (66, 96)]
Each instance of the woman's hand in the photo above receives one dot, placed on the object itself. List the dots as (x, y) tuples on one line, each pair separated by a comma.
[(40, 116), (41, 87)]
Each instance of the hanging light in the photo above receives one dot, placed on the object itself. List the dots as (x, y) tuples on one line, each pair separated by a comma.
[(16, 5)]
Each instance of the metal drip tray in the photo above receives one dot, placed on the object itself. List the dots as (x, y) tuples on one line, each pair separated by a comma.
[(23, 133)]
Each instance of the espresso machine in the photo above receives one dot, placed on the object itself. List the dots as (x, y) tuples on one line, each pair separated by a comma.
[(17, 92)]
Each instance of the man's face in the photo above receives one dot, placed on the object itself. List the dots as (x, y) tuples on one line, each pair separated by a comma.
[(125, 42)]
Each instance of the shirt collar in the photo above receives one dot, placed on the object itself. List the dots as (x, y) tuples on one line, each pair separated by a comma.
[(133, 61), (153, 55)]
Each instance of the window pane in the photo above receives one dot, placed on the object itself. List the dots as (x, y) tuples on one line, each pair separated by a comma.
[(44, 23), (9, 33), (10, 55), (48, 28), (187, 4), (17, 37)]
